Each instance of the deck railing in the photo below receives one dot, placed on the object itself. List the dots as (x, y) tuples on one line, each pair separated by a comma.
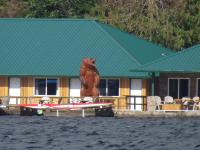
[(119, 103)]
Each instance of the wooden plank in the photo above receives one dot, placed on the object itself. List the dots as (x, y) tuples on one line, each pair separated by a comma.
[(26, 89), (3, 86), (171, 107), (64, 88), (124, 90), (144, 92)]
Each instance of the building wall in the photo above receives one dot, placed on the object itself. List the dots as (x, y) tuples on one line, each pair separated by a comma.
[(124, 90), (64, 88), (3, 86), (27, 89), (163, 82)]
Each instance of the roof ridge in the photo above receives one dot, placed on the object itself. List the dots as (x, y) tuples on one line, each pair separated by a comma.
[(124, 50), (49, 19)]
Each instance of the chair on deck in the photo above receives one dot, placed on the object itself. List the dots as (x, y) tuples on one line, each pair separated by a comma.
[(185, 102), (4, 102), (153, 103), (168, 100), (45, 100), (158, 102), (75, 100), (196, 102), (88, 99)]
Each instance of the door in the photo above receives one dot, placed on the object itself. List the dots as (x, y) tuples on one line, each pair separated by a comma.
[(14, 90), (75, 87), (136, 90)]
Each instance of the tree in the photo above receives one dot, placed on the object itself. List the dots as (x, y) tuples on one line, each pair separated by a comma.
[(173, 24), (12, 8), (58, 8)]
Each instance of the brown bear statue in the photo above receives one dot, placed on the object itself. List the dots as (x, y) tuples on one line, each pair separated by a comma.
[(89, 77)]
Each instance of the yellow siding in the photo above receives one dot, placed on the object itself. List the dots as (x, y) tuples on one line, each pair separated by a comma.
[(124, 90), (64, 88), (3, 86), (26, 88), (144, 88), (144, 91)]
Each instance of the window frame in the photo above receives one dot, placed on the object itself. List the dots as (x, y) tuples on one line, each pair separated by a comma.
[(179, 86), (107, 87), (46, 78), (197, 86)]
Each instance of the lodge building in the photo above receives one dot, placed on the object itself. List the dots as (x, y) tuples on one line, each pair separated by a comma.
[(42, 57)]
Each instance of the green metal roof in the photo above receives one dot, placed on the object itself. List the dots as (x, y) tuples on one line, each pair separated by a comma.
[(143, 51), (55, 47), (186, 61)]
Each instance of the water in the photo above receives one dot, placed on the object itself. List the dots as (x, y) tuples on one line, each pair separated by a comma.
[(45, 133)]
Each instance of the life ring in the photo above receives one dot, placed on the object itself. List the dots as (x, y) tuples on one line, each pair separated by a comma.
[(39, 112)]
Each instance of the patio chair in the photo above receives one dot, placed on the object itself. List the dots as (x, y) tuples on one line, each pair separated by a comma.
[(185, 102), (151, 103), (196, 104), (158, 102), (87, 99), (4, 103), (75, 100), (168, 100), (45, 100)]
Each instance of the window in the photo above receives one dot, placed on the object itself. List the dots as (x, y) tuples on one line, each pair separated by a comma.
[(46, 86), (109, 87), (178, 88)]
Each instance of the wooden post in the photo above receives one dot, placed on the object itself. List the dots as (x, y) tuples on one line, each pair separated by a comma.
[(153, 83)]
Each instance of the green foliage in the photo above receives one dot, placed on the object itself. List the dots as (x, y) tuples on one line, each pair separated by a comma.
[(59, 8), (12, 8), (174, 24)]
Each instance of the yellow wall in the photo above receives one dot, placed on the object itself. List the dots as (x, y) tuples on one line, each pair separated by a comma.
[(64, 88), (144, 88), (3, 86), (144, 91), (124, 90), (26, 89)]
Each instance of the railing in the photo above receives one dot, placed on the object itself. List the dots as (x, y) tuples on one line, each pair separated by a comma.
[(133, 101), (119, 103)]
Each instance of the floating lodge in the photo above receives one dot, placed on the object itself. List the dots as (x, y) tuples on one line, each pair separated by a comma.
[(42, 57)]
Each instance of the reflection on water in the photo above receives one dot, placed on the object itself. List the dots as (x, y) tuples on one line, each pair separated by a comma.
[(18, 133)]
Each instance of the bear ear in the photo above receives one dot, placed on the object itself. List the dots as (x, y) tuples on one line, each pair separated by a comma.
[(93, 59)]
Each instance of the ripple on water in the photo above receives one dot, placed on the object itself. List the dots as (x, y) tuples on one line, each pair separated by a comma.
[(17, 132)]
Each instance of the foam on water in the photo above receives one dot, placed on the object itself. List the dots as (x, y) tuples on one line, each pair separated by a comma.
[(99, 133)]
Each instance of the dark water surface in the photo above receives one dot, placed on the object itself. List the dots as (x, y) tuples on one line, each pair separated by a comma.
[(49, 133)]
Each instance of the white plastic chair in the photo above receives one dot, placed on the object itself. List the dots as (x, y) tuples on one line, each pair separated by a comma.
[(158, 102), (5, 103), (45, 100), (196, 102), (185, 102), (88, 99), (151, 103), (74, 100), (168, 100)]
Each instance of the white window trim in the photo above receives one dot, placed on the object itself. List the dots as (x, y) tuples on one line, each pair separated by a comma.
[(197, 86), (58, 85), (107, 87), (178, 85)]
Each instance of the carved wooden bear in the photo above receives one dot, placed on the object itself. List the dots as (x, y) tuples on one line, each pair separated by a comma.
[(89, 77)]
